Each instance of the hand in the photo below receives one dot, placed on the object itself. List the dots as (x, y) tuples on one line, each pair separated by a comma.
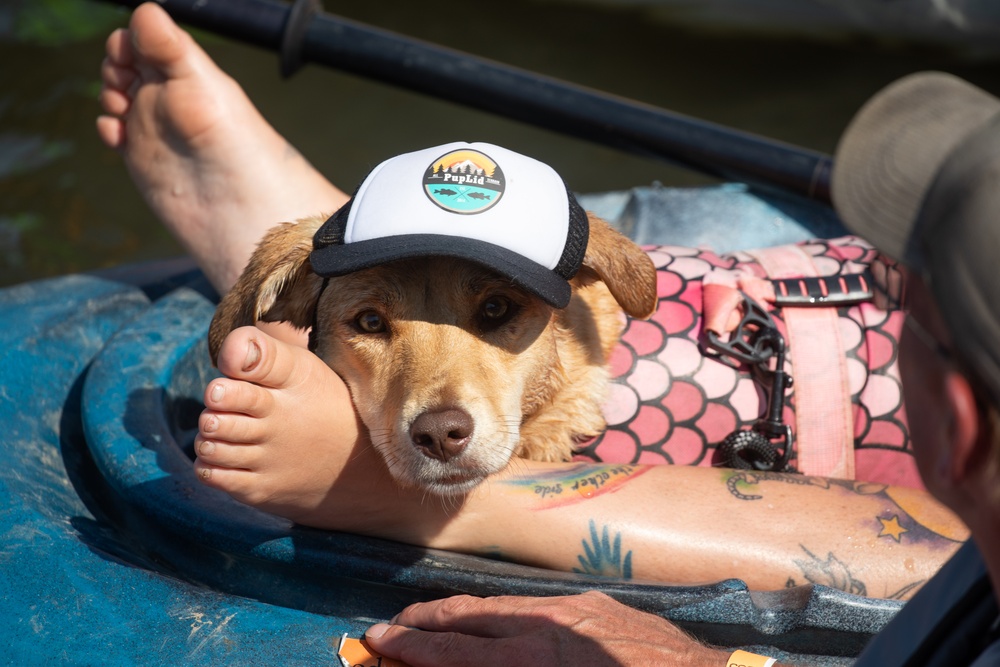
[(587, 629)]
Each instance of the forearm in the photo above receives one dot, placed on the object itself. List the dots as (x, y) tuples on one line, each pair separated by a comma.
[(696, 525), (683, 525)]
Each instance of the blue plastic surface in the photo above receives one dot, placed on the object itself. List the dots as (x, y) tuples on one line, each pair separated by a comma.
[(75, 588)]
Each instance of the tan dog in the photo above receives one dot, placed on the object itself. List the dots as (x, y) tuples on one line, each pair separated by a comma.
[(451, 367), (467, 300)]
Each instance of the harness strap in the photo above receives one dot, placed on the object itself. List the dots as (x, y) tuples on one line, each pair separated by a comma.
[(824, 418), (841, 290)]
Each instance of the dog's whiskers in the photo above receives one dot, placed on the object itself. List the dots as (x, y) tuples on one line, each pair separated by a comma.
[(453, 503), (519, 469)]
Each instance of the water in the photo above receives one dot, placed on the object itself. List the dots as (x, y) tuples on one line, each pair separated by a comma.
[(66, 203)]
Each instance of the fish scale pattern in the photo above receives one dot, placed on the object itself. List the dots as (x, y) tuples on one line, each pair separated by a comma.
[(672, 403)]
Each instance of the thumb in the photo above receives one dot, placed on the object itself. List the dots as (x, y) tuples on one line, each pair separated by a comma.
[(420, 648)]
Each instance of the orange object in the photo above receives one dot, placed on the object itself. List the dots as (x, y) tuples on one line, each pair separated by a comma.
[(746, 659), (356, 653)]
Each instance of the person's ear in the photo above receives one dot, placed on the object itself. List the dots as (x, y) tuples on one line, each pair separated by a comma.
[(964, 432)]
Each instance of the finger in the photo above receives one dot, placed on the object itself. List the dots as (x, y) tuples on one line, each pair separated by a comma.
[(504, 616), (419, 648)]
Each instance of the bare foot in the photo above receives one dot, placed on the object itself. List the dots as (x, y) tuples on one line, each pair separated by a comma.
[(280, 433), (209, 165), (280, 430)]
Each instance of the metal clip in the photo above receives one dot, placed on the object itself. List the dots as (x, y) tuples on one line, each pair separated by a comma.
[(756, 341), (753, 340)]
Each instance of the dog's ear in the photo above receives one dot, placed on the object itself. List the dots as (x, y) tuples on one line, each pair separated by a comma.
[(617, 261), (277, 285)]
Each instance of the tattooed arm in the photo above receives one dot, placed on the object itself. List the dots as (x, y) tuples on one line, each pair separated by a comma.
[(670, 523), (697, 525), (685, 525)]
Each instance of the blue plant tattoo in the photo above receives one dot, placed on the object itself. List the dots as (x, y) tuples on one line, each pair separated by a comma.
[(602, 557)]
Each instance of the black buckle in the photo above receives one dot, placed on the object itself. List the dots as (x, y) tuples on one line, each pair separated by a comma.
[(756, 341)]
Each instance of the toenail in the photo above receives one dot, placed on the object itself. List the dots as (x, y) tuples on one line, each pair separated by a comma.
[(253, 355), (218, 391), (206, 447), (211, 425), (205, 473)]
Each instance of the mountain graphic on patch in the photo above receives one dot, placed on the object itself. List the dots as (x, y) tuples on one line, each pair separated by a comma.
[(464, 181)]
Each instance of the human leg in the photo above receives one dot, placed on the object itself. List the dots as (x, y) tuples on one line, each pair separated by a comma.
[(208, 164)]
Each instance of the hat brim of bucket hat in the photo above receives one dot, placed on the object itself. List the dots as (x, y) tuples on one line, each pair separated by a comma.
[(893, 149)]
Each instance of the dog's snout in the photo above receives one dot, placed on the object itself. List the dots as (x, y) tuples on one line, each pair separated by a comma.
[(443, 434)]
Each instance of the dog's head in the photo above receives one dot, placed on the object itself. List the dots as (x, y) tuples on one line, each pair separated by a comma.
[(445, 356)]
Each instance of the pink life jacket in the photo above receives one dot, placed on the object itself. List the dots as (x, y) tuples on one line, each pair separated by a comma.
[(671, 402)]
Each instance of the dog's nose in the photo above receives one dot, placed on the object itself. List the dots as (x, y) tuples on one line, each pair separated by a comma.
[(442, 435)]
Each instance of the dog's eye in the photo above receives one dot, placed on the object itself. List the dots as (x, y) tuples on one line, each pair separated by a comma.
[(495, 308), (370, 322), (496, 311)]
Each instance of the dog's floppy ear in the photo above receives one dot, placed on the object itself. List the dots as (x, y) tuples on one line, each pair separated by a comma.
[(622, 265), (278, 284)]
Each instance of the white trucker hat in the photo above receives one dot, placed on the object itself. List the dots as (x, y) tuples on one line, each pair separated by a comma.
[(478, 202)]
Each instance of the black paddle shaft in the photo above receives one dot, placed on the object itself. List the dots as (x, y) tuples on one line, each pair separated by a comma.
[(302, 33)]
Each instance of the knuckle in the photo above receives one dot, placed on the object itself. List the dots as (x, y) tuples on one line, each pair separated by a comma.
[(437, 645), (456, 607), (595, 595), (572, 610)]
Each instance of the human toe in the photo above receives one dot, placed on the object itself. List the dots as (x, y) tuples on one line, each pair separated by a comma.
[(115, 76), (232, 428), (234, 481), (114, 102), (219, 453), (226, 395), (158, 40), (118, 48), (250, 354), (111, 130)]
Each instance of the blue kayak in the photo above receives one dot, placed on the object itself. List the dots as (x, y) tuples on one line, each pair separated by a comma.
[(113, 553)]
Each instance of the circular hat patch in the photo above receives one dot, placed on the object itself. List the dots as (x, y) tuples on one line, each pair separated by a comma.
[(464, 181)]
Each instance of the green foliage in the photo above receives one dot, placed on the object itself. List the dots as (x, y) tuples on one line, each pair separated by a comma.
[(56, 22)]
